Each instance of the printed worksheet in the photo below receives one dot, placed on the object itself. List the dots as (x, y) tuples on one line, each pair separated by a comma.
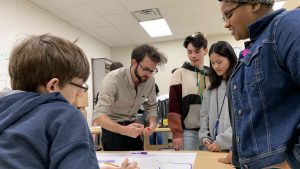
[(150, 160)]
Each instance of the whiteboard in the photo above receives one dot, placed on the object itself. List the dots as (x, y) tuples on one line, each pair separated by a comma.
[(151, 160)]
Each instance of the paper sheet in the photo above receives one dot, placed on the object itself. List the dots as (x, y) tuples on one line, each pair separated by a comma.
[(151, 160)]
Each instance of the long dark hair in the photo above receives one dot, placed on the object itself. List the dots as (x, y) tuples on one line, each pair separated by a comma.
[(223, 49)]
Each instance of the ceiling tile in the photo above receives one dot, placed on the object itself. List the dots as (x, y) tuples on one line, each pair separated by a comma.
[(64, 3), (62, 15), (166, 3), (120, 19), (130, 28), (135, 5), (108, 7), (85, 11), (43, 4), (116, 37), (105, 31), (95, 22), (92, 1)]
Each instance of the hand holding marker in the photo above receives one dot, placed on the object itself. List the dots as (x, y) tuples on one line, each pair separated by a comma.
[(108, 162)]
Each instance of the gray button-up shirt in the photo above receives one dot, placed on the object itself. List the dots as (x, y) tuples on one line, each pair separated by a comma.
[(119, 100)]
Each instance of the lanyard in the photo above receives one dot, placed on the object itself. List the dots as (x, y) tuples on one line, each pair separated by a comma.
[(200, 87), (218, 112)]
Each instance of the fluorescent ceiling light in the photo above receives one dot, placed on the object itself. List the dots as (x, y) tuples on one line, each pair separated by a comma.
[(278, 5), (156, 28)]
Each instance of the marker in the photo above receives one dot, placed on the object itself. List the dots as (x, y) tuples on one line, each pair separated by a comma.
[(111, 164), (106, 161), (140, 152)]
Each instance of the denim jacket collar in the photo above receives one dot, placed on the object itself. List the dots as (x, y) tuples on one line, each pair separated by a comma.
[(259, 25), (255, 30)]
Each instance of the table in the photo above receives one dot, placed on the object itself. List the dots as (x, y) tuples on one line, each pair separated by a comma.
[(209, 160), (203, 160)]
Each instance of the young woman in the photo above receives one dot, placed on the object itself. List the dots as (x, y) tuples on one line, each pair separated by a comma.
[(215, 130)]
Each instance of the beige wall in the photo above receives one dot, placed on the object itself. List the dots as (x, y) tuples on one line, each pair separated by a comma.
[(291, 4), (176, 54), (21, 18)]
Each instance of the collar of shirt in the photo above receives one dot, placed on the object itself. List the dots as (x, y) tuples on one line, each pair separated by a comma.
[(256, 28)]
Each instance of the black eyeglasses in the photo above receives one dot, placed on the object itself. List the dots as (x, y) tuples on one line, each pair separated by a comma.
[(147, 70), (228, 14), (83, 87)]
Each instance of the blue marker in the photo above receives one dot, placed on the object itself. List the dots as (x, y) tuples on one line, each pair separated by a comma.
[(139, 152)]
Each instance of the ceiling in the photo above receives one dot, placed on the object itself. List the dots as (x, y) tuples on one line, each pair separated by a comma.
[(111, 21)]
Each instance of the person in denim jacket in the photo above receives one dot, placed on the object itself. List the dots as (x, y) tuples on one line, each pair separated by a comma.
[(265, 87)]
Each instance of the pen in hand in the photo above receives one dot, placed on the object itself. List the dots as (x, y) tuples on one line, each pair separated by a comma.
[(108, 163), (111, 164), (125, 164)]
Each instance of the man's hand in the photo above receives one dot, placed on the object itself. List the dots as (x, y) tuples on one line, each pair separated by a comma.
[(97, 121), (133, 130), (177, 143), (149, 130)]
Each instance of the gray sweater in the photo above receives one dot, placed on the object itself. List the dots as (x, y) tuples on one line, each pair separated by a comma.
[(208, 118)]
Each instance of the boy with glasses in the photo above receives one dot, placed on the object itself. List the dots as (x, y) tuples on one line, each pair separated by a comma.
[(122, 93), (264, 90), (39, 128)]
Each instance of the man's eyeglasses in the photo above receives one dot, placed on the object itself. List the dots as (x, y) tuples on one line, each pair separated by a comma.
[(147, 70), (228, 14), (83, 87)]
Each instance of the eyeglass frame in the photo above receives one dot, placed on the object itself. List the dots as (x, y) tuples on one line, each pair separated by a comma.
[(82, 87), (228, 13), (147, 70)]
